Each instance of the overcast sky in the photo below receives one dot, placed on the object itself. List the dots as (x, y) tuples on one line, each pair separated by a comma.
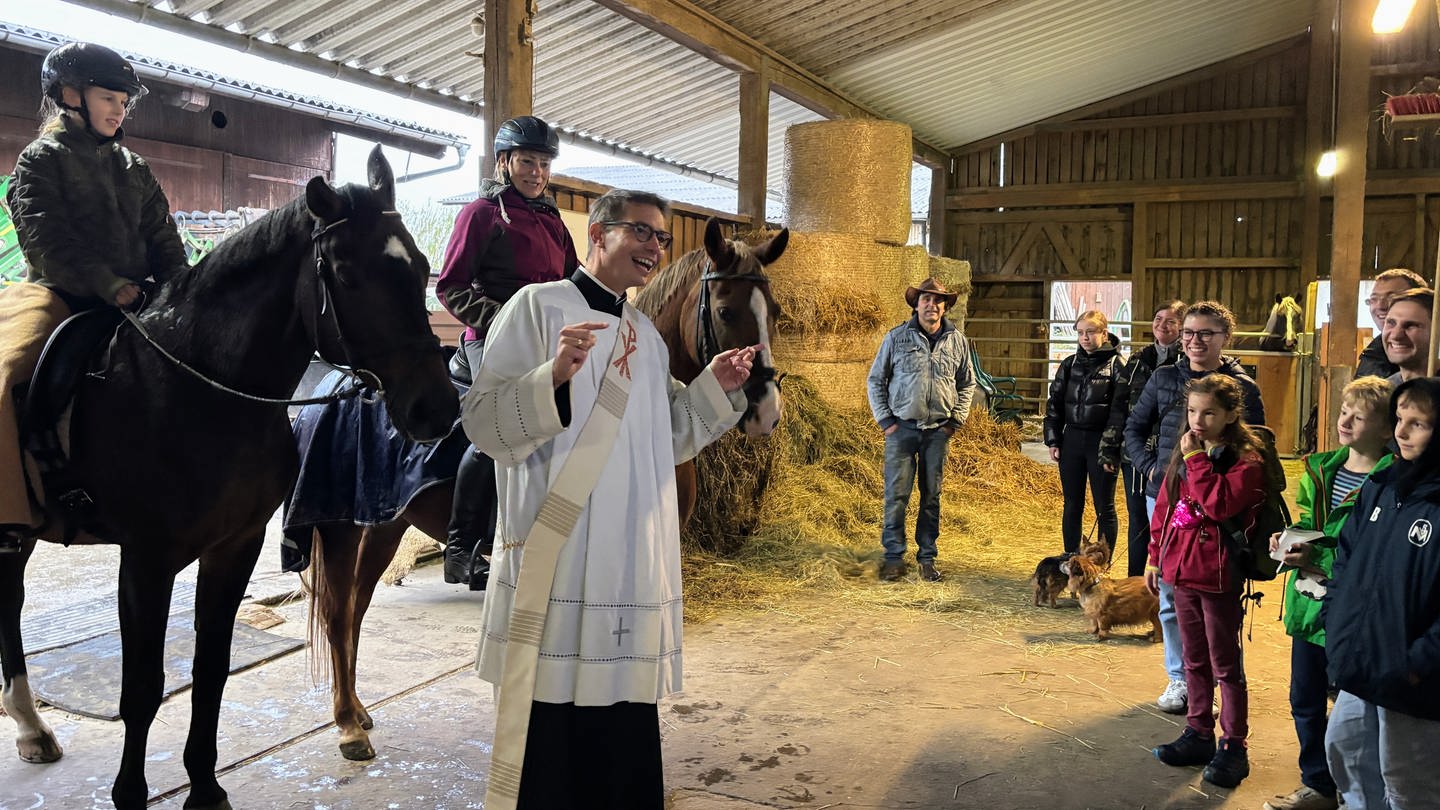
[(93, 26)]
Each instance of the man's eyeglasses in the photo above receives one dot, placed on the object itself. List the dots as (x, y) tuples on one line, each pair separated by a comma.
[(1202, 335), (1379, 299), (644, 232)]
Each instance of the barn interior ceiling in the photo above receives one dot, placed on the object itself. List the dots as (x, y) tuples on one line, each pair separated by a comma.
[(956, 71)]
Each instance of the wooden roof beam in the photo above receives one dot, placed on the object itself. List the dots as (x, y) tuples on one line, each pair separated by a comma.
[(698, 30)]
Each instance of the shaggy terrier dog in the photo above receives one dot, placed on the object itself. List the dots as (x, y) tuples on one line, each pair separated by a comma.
[(1110, 602), (1052, 575)]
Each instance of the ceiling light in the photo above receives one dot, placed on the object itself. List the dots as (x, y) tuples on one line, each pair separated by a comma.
[(1390, 16)]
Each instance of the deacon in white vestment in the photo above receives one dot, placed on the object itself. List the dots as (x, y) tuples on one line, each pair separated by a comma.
[(613, 622)]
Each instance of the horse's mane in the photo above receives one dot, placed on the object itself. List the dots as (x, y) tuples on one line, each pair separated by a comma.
[(254, 243), (675, 279), (678, 278)]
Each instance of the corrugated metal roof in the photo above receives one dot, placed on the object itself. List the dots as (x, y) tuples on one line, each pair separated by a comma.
[(162, 70), (968, 83), (669, 185), (955, 70)]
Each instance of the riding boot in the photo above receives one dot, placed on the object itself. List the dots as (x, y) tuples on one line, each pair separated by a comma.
[(471, 517)]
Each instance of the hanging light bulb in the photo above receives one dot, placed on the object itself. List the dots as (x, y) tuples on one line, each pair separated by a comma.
[(1390, 16), (1328, 164)]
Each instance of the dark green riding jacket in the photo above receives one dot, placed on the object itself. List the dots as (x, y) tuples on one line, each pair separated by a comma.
[(90, 216)]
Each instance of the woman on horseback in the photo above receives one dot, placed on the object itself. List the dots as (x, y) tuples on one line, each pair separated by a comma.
[(510, 237), (93, 223)]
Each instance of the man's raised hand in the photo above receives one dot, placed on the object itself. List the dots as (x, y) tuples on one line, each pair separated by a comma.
[(576, 341), (732, 366)]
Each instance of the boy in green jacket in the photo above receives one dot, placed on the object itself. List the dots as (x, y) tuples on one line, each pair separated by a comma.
[(1328, 489)]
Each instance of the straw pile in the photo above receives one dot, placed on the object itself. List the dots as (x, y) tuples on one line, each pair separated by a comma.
[(851, 175), (815, 526)]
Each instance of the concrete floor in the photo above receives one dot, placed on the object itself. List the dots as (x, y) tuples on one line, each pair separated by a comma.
[(824, 703)]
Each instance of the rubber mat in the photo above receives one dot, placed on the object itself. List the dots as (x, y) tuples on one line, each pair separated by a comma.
[(84, 677)]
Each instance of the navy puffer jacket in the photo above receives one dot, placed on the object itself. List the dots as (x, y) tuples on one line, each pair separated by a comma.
[(1382, 606), (1162, 404)]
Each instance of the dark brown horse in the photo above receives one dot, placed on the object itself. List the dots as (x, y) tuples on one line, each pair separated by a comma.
[(705, 302), (181, 470)]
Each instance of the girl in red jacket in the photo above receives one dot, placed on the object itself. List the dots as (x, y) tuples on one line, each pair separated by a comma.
[(1215, 474)]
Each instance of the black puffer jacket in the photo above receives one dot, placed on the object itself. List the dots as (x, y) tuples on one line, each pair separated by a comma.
[(1129, 384), (1160, 411), (90, 216), (1374, 362), (1081, 393)]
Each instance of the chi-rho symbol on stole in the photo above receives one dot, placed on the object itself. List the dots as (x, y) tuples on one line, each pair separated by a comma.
[(629, 337)]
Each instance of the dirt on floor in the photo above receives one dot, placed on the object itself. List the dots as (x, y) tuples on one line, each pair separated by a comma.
[(992, 704)]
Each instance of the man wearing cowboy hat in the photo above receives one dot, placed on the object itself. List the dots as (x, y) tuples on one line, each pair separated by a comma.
[(920, 389)]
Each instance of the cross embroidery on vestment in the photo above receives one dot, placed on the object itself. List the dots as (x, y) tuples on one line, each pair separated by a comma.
[(629, 337), (620, 633)]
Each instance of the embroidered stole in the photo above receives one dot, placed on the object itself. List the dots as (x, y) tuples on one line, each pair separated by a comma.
[(553, 524)]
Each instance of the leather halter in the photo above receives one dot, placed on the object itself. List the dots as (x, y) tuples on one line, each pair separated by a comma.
[(707, 345)]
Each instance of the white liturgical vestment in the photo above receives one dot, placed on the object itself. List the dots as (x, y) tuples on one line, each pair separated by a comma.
[(612, 628)]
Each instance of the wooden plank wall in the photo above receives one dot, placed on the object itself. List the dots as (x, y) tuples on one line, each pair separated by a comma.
[(1191, 188), (687, 222)]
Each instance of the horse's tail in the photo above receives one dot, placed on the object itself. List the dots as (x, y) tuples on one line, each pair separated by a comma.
[(322, 602)]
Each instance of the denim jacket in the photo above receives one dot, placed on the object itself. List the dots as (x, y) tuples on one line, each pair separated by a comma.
[(927, 387)]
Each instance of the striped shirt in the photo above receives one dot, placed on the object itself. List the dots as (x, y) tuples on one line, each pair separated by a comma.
[(1346, 482)]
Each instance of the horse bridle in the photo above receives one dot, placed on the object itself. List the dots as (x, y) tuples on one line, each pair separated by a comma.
[(356, 376), (707, 345)]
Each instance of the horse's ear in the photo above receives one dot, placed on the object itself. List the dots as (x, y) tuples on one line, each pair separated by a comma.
[(717, 247), (324, 204), (769, 251), (382, 180)]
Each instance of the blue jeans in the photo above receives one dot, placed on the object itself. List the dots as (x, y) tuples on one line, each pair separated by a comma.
[(907, 449), (1309, 697), (1380, 758), (1169, 622)]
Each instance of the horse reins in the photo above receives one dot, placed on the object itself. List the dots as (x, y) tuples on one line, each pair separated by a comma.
[(355, 375)]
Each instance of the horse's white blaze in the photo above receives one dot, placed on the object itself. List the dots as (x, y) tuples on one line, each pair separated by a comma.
[(768, 409), (396, 249)]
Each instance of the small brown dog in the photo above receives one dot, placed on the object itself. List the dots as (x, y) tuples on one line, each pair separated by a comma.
[(1052, 575), (1110, 602)]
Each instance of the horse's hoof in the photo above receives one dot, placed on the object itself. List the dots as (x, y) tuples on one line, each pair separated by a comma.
[(357, 750), (40, 749), (223, 804)]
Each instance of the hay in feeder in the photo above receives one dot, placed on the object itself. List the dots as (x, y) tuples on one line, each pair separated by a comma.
[(817, 524), (849, 176)]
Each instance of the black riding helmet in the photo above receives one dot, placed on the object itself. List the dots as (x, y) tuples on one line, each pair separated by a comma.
[(527, 132), (83, 64)]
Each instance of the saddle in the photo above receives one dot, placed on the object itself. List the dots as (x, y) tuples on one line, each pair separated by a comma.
[(68, 354)]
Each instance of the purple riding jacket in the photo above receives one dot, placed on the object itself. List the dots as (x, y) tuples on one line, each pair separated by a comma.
[(501, 242)]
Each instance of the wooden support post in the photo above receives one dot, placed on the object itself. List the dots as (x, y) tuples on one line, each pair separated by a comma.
[(938, 243), (1317, 137), (509, 67), (754, 143), (1352, 107), (1142, 300)]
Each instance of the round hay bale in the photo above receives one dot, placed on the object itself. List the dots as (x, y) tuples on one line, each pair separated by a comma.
[(849, 176), (833, 282), (954, 274), (837, 366)]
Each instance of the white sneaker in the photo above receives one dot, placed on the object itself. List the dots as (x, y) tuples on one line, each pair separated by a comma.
[(1174, 698), (1305, 798)]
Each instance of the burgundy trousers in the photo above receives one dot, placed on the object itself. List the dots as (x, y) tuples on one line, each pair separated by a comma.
[(1210, 626)]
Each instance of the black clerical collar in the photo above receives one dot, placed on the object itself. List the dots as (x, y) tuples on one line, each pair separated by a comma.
[(595, 294)]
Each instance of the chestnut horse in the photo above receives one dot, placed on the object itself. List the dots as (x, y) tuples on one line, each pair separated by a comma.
[(705, 302), (182, 466)]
